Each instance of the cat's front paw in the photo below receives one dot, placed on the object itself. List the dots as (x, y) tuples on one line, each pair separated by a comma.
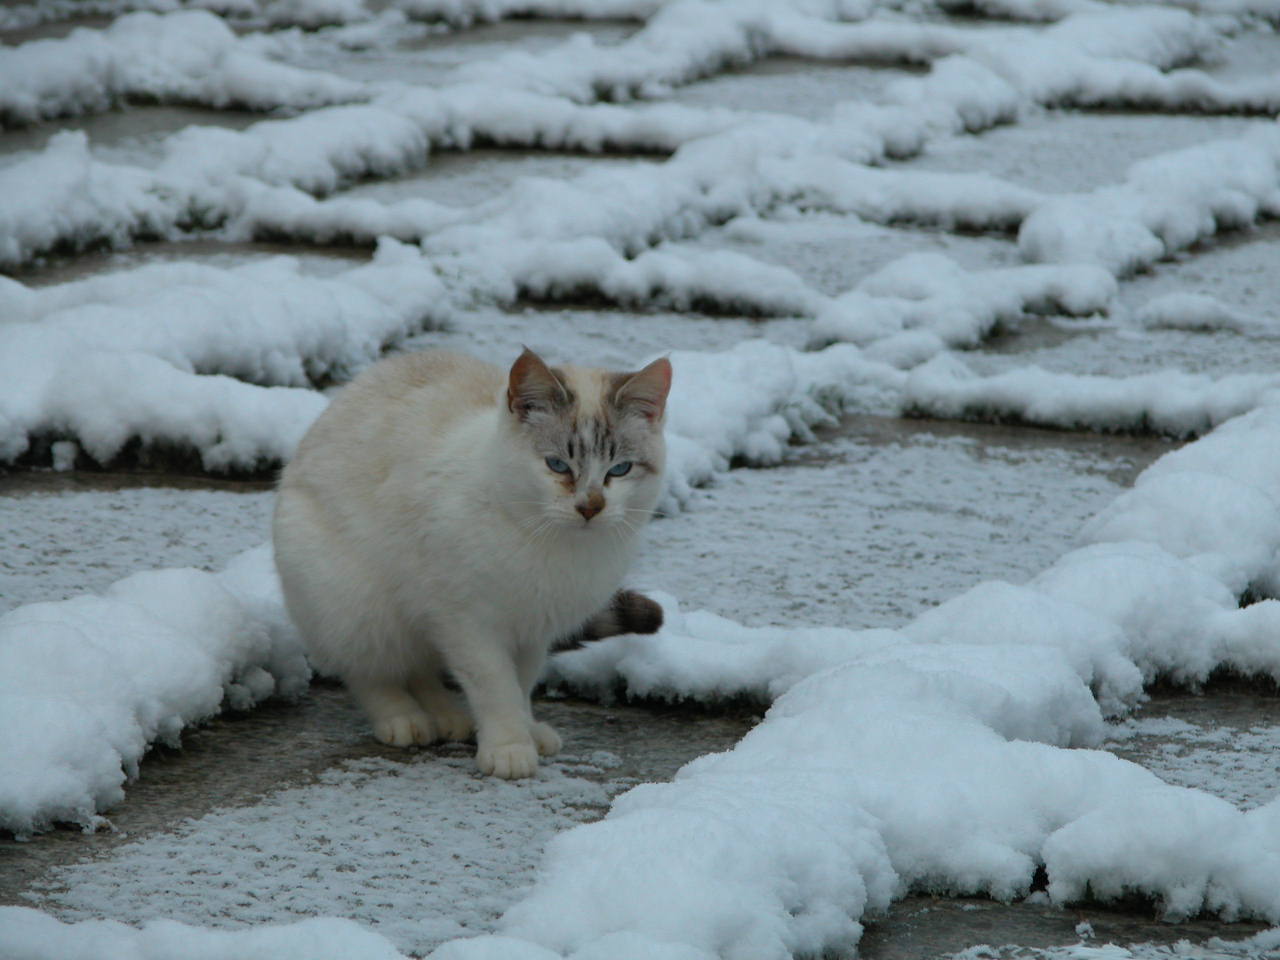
[(510, 761), (546, 738), (405, 730)]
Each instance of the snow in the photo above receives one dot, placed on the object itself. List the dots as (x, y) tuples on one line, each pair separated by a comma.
[(159, 651), (528, 105), (1166, 204), (918, 728), (1114, 614), (311, 14), (1234, 530), (955, 750), (63, 195), (115, 533), (1169, 402), (1002, 708), (1193, 311), (101, 359), (936, 514), (463, 13), (30, 933), (587, 236), (921, 304), (201, 62), (1258, 947)]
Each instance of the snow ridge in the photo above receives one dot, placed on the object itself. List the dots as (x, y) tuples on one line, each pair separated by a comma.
[(1169, 402), (604, 233), (101, 363), (92, 682), (92, 70), (551, 101)]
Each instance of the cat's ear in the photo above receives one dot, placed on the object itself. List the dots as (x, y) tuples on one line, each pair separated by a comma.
[(533, 386), (645, 392)]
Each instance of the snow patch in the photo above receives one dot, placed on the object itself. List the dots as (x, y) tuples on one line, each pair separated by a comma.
[(202, 61), (1194, 311), (1167, 203), (1168, 402), (92, 682), (104, 360)]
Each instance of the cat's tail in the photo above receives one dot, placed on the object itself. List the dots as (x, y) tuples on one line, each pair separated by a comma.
[(627, 612)]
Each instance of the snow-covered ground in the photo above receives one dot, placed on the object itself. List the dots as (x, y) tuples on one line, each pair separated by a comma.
[(831, 213)]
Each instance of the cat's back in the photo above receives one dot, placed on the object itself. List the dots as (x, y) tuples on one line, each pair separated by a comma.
[(404, 405)]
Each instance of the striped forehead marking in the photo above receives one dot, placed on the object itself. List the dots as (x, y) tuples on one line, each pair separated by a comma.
[(592, 437)]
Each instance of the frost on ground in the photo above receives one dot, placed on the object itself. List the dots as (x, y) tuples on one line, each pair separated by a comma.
[(1260, 947), (345, 847), (60, 545), (955, 753), (1191, 755)]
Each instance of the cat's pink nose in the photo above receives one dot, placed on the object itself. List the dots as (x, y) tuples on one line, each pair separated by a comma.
[(591, 506)]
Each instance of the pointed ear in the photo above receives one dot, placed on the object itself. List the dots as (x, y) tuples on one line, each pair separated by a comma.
[(533, 386), (645, 392)]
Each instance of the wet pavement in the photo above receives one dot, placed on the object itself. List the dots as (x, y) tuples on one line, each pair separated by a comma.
[(56, 269), (933, 928), (135, 132)]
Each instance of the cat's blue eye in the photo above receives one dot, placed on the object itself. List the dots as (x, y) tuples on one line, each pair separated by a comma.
[(620, 469), (556, 465)]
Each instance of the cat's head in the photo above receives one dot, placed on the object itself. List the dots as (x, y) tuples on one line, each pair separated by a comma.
[(593, 439)]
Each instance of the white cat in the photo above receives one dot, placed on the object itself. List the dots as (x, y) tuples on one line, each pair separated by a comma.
[(444, 517)]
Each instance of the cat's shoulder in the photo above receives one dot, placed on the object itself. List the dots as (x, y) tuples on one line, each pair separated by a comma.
[(423, 394), (407, 373)]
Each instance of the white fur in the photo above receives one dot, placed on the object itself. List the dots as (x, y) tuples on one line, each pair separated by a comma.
[(418, 530)]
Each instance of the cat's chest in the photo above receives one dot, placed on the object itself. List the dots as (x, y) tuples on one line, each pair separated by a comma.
[(552, 590), (563, 572), (492, 571)]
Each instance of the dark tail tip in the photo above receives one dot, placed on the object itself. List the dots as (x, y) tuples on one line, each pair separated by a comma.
[(635, 613), (628, 612)]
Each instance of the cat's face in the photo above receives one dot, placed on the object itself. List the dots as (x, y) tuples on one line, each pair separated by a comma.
[(593, 439)]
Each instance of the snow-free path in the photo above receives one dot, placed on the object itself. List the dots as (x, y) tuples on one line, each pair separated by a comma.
[(1058, 219)]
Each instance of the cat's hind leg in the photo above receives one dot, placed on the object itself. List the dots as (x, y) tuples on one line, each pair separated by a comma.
[(398, 719), (451, 718), (545, 738)]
